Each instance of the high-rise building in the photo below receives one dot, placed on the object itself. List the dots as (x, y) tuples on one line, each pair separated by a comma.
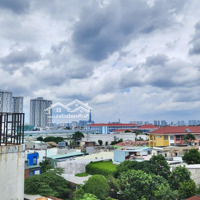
[(17, 104), (38, 115), (163, 123), (5, 101)]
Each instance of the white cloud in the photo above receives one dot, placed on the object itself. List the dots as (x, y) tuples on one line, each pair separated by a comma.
[(127, 61)]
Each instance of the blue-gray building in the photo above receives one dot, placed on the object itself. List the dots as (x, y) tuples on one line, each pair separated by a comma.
[(131, 153)]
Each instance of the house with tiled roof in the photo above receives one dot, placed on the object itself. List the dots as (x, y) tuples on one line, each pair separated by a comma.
[(172, 135), (196, 197)]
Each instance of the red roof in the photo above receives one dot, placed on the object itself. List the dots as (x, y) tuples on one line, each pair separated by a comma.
[(113, 124), (176, 129), (132, 143), (148, 126), (194, 198)]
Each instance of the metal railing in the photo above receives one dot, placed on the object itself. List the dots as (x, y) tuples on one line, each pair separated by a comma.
[(11, 128)]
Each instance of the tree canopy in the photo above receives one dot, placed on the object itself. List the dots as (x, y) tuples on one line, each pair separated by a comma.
[(192, 156), (100, 142), (187, 189), (135, 184), (48, 183), (97, 185), (77, 135), (189, 137), (179, 175), (160, 165), (45, 165), (53, 139)]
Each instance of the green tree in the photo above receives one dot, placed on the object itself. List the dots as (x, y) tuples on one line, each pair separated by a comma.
[(100, 142), (97, 185), (192, 156), (136, 184), (40, 139), (48, 183), (187, 189), (160, 166), (137, 132), (114, 187), (53, 139), (164, 192), (145, 166), (45, 165), (179, 175), (77, 135), (88, 196), (189, 138)]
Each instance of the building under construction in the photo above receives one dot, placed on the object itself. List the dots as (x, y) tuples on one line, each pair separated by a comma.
[(11, 128)]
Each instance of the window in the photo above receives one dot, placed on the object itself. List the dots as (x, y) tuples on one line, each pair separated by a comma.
[(198, 137), (158, 136), (178, 137), (166, 137), (171, 137), (34, 161)]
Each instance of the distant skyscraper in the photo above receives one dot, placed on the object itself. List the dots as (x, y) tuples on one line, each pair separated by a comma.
[(5, 101), (192, 123), (163, 123), (17, 104), (38, 116)]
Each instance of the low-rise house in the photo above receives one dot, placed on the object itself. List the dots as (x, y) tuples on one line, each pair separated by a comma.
[(132, 153), (173, 135), (87, 143), (31, 164), (35, 145), (172, 153), (63, 157)]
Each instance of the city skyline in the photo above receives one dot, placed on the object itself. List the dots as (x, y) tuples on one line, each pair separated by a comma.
[(129, 60)]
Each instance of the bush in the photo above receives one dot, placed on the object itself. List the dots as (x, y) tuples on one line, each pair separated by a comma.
[(192, 156), (97, 185), (48, 183), (101, 167), (82, 174), (187, 189), (136, 184), (145, 166)]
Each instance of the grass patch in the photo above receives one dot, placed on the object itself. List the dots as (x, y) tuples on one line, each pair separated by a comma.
[(82, 174), (101, 167)]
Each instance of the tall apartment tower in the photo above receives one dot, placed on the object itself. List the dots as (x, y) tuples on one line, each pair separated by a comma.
[(38, 115), (17, 104), (5, 101)]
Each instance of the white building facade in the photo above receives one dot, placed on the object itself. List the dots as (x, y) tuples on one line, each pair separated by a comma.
[(12, 172), (17, 104), (5, 101), (38, 115)]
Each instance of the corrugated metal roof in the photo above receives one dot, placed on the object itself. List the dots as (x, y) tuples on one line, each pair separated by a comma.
[(65, 155)]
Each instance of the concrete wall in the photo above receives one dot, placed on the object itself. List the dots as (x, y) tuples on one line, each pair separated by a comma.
[(195, 173), (12, 172), (73, 166), (108, 137)]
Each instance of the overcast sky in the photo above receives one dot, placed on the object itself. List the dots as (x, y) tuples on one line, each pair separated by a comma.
[(128, 59)]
